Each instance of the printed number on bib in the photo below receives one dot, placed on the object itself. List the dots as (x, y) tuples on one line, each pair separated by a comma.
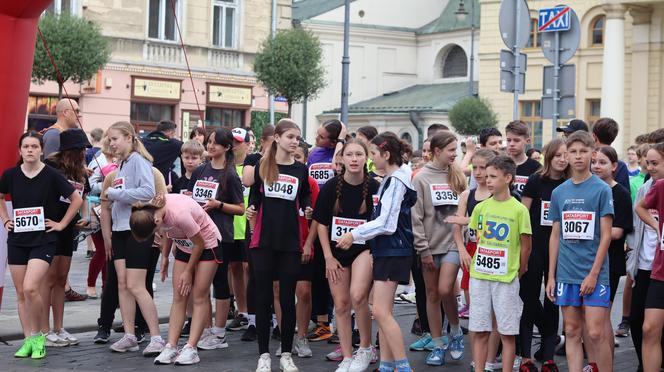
[(544, 214), (341, 226), (491, 261), (184, 244), (285, 188), (520, 183), (375, 199), (97, 211), (204, 190), (78, 187), (118, 183), (442, 194), (321, 172), (29, 219), (578, 225), (472, 235)]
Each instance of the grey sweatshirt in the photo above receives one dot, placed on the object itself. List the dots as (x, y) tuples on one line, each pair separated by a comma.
[(138, 187)]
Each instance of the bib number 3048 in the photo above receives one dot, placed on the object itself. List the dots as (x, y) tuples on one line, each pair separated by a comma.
[(285, 188), (29, 219)]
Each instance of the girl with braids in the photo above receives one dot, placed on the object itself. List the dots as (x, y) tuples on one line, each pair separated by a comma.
[(216, 186), (35, 189), (281, 190), (197, 254), (391, 239), (439, 184), (344, 203)]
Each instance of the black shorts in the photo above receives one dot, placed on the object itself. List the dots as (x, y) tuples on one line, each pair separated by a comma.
[(655, 296), (18, 255), (207, 255), (392, 269), (306, 272), (64, 245), (345, 259), (614, 281), (235, 251), (136, 255)]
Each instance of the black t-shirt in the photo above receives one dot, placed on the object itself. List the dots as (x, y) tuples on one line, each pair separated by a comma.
[(622, 206), (43, 190), (231, 195), (252, 159), (539, 189), (349, 207), (524, 171), (164, 150), (278, 207), (180, 184)]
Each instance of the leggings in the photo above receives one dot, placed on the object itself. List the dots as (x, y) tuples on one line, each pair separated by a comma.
[(251, 284), (284, 267), (98, 262), (220, 282), (420, 294), (320, 288)]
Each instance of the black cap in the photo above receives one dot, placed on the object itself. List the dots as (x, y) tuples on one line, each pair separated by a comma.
[(573, 126), (305, 144), (72, 139)]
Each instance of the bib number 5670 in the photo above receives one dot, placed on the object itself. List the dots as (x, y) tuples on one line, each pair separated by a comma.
[(26, 221)]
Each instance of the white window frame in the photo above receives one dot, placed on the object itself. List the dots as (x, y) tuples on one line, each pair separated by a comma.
[(75, 6), (164, 5), (222, 29)]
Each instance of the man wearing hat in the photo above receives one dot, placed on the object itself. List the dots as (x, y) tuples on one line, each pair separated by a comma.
[(573, 126)]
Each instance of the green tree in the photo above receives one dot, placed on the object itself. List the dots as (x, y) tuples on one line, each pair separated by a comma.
[(259, 119), (471, 114), (290, 64), (77, 46)]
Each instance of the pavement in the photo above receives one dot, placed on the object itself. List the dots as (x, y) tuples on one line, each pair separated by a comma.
[(81, 319)]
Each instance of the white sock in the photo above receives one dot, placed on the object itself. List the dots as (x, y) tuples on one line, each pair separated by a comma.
[(252, 319), (219, 331), (156, 338), (244, 314), (455, 329)]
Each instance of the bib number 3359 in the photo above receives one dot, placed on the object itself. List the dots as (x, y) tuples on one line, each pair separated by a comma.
[(29, 219), (285, 188)]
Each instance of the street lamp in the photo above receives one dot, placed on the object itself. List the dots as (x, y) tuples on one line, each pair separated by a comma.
[(461, 14)]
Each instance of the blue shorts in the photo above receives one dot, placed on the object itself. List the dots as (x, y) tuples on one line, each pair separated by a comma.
[(569, 295)]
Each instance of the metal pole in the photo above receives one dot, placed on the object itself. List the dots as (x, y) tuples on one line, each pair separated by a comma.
[(274, 31), (517, 76), (345, 64), (304, 118), (556, 92), (471, 89)]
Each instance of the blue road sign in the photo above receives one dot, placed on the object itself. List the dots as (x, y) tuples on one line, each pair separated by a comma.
[(554, 19), (280, 99)]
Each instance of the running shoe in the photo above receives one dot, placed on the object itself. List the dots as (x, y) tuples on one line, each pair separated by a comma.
[(212, 342), (374, 355), (71, 296), (549, 366), (344, 366), (186, 329), (336, 355), (278, 352), (26, 349), (63, 334), (219, 332), (38, 346), (421, 343), (188, 356), (361, 360), (517, 363), (53, 340), (436, 357), (591, 367), (249, 334), (623, 328), (154, 348), (140, 335), (301, 347), (408, 297), (126, 343), (334, 339), (264, 363), (456, 347), (102, 336), (321, 333), (464, 312), (286, 363), (416, 328), (493, 365), (528, 366), (240, 322), (167, 355)]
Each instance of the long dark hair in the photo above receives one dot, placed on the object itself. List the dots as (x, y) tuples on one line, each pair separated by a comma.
[(29, 134), (333, 129), (390, 143), (340, 179), (224, 137), (71, 163)]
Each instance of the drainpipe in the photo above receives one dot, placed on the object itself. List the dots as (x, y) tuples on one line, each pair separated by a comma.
[(414, 117), (273, 31)]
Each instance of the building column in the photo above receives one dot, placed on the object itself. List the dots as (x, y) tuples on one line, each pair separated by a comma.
[(640, 82), (613, 71)]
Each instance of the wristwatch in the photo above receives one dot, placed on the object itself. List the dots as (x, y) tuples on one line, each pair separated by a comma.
[(221, 206)]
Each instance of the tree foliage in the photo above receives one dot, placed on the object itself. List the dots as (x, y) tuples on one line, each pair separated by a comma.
[(290, 64), (77, 46), (259, 119), (471, 114)]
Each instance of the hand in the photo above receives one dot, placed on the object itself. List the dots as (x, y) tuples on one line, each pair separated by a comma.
[(427, 263), (457, 220), (211, 204), (82, 223), (9, 225), (184, 283), (250, 212), (470, 145), (333, 269), (346, 241), (466, 259), (89, 171), (53, 226), (164, 268), (588, 285), (169, 188), (109, 249), (551, 289), (308, 213), (307, 252), (344, 131), (522, 270)]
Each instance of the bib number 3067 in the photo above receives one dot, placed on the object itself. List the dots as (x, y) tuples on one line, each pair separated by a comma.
[(29, 219), (578, 225)]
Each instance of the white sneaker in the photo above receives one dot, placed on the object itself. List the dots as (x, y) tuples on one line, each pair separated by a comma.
[(301, 347), (126, 343), (154, 348), (278, 352), (167, 355), (286, 363), (361, 360), (344, 366), (53, 340), (188, 355), (212, 342), (264, 363), (63, 334), (493, 365)]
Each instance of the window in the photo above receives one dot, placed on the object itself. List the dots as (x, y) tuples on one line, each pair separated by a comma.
[(224, 23), (597, 31), (593, 110), (161, 20), (219, 117), (535, 39), (71, 7), (531, 114), (455, 63), (150, 112)]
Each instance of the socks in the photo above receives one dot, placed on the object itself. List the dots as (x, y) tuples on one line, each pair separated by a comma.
[(219, 331), (438, 341), (402, 365), (156, 338), (252, 319), (387, 366), (455, 330)]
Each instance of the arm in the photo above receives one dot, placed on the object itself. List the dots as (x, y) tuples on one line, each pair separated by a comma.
[(470, 151), (386, 222), (554, 246), (458, 231), (74, 206), (166, 245), (146, 191), (7, 222), (420, 241), (248, 175), (526, 247), (105, 217), (308, 248), (186, 279), (589, 283), (527, 202), (617, 233), (645, 215)]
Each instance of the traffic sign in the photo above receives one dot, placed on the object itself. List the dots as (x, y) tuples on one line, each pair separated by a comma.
[(280, 99), (510, 23), (566, 81), (507, 61), (566, 108), (569, 40), (507, 82), (554, 19)]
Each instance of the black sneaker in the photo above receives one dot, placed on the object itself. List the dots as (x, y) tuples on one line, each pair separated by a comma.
[(239, 323), (276, 333), (334, 339), (377, 343), (539, 355), (356, 338), (416, 329), (118, 329), (102, 336), (186, 329), (140, 335), (249, 334)]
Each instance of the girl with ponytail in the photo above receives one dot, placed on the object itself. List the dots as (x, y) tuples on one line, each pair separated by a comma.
[(344, 203)]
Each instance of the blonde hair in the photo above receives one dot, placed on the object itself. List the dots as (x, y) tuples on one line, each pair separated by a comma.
[(456, 178), (269, 169), (142, 221), (127, 130), (193, 147)]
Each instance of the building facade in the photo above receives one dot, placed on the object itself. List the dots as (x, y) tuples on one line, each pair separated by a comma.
[(147, 78)]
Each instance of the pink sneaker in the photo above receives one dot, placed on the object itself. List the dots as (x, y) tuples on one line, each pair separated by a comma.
[(464, 311), (336, 355)]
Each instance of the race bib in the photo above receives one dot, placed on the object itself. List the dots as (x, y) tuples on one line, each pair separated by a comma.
[(472, 235), (578, 225), (78, 187), (97, 211), (118, 183), (442, 194), (29, 219), (204, 190), (285, 188), (185, 244), (341, 226), (544, 214), (520, 183), (375, 199), (491, 261), (321, 172)]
